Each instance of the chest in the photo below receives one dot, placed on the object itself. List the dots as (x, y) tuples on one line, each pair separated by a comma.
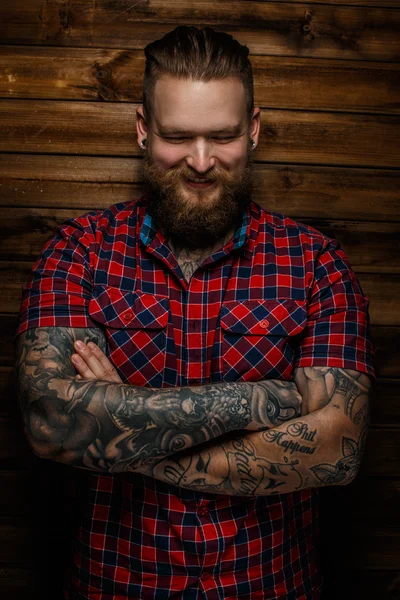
[(235, 320)]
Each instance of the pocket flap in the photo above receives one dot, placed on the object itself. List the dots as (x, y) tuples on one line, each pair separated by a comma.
[(128, 310), (264, 317)]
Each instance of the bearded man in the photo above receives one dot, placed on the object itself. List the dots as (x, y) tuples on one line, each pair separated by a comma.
[(207, 362)]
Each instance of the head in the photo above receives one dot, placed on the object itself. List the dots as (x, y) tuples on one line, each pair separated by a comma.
[(198, 120)]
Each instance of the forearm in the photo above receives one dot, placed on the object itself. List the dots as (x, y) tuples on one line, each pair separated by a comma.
[(116, 427), (308, 452), (321, 448)]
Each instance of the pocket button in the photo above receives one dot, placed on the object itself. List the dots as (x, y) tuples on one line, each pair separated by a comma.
[(264, 323), (127, 316)]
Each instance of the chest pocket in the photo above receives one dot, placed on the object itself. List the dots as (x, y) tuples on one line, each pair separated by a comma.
[(259, 338), (135, 325)]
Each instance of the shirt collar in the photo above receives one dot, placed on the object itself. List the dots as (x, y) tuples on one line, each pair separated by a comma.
[(148, 230)]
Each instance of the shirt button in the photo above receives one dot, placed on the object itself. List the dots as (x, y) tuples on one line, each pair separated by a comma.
[(203, 511), (264, 323), (127, 316)]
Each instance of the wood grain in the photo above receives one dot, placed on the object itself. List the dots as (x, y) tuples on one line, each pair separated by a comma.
[(116, 75), (62, 127), (273, 28)]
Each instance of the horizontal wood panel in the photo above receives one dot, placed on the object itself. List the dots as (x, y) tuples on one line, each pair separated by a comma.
[(382, 290), (290, 29), (385, 339), (296, 190), (279, 82), (286, 136), (371, 247), (16, 583), (385, 407)]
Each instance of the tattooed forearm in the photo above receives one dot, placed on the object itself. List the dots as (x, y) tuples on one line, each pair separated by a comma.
[(324, 448), (109, 426)]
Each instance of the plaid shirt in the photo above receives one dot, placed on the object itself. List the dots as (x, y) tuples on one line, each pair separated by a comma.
[(278, 295)]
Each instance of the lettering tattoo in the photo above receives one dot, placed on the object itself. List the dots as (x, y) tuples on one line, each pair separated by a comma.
[(240, 472), (113, 427), (297, 429), (310, 452)]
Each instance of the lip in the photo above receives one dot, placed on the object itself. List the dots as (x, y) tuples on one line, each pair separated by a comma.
[(199, 186)]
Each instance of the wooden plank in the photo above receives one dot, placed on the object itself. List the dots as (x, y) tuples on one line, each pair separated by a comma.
[(17, 493), (385, 406), (387, 350), (15, 452), (382, 454), (16, 583), (16, 540), (383, 291), (369, 584), (302, 191), (274, 28), (371, 247), (352, 540), (279, 82), (286, 136)]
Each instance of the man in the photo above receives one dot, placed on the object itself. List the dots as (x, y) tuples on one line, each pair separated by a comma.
[(207, 362)]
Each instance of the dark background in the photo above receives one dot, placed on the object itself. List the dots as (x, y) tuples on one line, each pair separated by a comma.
[(327, 80)]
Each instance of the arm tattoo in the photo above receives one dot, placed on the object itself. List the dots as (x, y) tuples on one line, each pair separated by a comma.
[(322, 448), (113, 427)]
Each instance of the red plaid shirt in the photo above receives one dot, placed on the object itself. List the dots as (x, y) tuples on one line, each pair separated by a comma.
[(279, 295)]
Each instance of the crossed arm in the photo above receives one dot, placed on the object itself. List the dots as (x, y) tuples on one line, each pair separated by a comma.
[(229, 438)]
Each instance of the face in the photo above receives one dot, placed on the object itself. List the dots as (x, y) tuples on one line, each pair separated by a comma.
[(198, 130)]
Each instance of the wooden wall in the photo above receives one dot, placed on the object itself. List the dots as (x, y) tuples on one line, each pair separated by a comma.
[(327, 80)]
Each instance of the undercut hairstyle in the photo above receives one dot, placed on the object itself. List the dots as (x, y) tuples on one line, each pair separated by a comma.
[(200, 55)]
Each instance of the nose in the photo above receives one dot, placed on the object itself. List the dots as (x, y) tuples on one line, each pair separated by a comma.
[(200, 157)]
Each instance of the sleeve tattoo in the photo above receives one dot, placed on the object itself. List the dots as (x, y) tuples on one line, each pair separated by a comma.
[(114, 427), (323, 447)]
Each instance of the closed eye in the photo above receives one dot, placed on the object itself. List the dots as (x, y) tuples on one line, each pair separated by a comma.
[(224, 139)]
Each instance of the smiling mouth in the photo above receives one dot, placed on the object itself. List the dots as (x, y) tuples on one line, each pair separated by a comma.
[(200, 183)]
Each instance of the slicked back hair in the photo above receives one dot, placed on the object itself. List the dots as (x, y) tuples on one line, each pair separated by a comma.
[(200, 55)]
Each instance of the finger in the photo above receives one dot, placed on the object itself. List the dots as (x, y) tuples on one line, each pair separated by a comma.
[(84, 371), (97, 361)]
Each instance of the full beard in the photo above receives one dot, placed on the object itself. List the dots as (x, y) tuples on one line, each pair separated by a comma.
[(196, 218)]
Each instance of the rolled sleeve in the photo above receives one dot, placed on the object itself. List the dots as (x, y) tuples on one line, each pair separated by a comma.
[(337, 331), (60, 288)]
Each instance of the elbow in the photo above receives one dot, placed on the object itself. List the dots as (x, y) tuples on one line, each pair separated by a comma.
[(351, 453), (45, 437)]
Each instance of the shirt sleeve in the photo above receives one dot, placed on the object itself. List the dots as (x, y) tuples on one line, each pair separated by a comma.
[(60, 287), (337, 333)]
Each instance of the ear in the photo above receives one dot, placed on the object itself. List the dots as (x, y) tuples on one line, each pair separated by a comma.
[(255, 125), (141, 125)]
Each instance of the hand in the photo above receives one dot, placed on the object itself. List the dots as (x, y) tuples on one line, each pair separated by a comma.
[(91, 363)]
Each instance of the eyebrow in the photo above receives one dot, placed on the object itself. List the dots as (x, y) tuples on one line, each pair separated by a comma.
[(232, 129)]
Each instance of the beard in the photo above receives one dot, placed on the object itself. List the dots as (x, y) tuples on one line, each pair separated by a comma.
[(196, 218)]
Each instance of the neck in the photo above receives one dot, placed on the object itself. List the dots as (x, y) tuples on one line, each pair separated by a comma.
[(190, 259)]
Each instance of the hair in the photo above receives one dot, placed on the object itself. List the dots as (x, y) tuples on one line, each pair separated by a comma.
[(198, 54)]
